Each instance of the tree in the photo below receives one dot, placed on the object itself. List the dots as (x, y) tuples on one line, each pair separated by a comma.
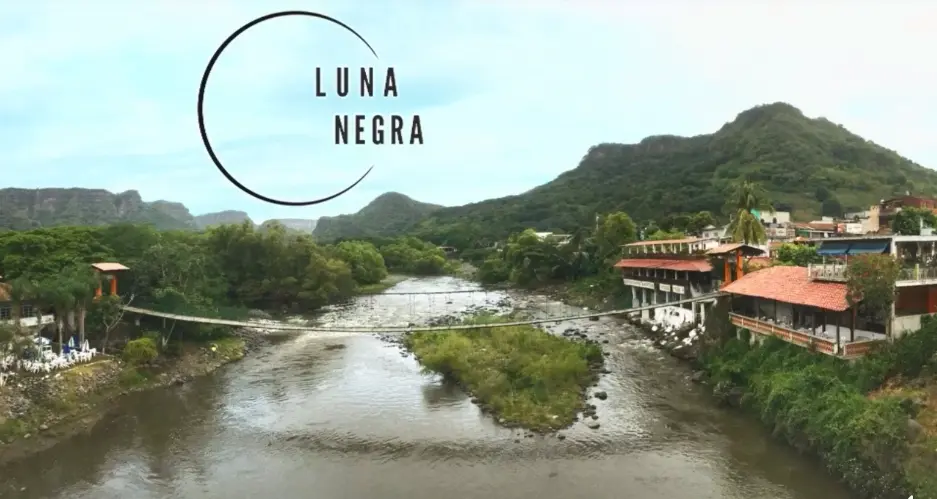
[(21, 289), (700, 221), (611, 233), (744, 226), (662, 235), (81, 283), (367, 263), (831, 207), (107, 311), (908, 221), (797, 255), (870, 284)]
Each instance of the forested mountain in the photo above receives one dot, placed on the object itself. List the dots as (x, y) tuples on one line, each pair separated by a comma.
[(227, 217), (390, 214), (811, 166), (22, 209)]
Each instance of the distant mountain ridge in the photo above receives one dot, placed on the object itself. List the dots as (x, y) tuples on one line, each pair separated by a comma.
[(222, 218), (22, 209), (389, 214), (298, 224), (811, 166)]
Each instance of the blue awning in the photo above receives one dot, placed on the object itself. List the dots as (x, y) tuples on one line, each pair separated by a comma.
[(866, 247), (833, 248)]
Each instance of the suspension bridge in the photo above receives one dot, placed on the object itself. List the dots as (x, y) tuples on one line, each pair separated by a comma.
[(269, 325)]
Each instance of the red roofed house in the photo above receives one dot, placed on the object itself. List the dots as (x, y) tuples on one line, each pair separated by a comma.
[(667, 271), (785, 302)]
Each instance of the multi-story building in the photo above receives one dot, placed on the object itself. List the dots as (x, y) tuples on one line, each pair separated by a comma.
[(888, 208), (668, 271), (917, 278)]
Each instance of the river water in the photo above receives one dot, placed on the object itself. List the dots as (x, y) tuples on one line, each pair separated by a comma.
[(304, 418)]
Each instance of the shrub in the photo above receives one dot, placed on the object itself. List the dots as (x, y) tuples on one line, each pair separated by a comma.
[(140, 351)]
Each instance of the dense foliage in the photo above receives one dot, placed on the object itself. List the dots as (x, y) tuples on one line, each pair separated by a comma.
[(524, 374), (528, 260), (843, 411), (196, 273), (774, 145), (389, 214), (798, 255)]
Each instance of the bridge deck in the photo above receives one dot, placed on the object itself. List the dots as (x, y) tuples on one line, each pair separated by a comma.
[(402, 329)]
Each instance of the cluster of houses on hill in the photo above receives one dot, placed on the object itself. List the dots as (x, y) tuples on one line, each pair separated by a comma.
[(806, 306)]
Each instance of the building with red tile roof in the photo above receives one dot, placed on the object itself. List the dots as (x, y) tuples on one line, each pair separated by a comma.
[(667, 271), (791, 285)]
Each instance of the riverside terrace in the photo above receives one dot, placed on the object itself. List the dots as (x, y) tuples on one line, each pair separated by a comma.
[(787, 303)]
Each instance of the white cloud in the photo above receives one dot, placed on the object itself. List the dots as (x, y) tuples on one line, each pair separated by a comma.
[(511, 93)]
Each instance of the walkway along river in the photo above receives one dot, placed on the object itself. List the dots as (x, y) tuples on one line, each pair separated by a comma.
[(303, 418)]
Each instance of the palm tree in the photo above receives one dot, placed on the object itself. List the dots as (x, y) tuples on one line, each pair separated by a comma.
[(21, 289), (55, 292), (81, 284), (744, 226)]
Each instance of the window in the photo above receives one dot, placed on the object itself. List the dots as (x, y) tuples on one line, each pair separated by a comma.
[(5, 313), (26, 311)]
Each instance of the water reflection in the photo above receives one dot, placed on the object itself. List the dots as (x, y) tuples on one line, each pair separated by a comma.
[(361, 421)]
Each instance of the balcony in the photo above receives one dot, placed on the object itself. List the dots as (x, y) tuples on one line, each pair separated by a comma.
[(907, 276), (805, 339)]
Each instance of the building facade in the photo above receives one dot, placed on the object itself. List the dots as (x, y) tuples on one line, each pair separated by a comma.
[(917, 279), (660, 272)]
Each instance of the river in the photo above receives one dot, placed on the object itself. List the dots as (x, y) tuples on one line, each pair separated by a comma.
[(304, 418)]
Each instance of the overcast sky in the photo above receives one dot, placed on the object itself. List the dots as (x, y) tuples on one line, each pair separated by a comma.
[(102, 94)]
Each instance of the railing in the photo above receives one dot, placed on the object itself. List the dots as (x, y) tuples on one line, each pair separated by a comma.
[(917, 273), (827, 272), (789, 335), (803, 339), (837, 272)]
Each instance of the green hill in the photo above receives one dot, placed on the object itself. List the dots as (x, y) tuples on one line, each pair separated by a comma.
[(389, 214), (807, 166), (22, 209)]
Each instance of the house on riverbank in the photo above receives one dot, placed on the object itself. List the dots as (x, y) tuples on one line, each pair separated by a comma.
[(28, 316), (785, 302), (808, 306)]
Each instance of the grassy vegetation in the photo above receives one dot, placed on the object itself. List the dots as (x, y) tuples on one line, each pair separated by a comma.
[(872, 421), (526, 376)]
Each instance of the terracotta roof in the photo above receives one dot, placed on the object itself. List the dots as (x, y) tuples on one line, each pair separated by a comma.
[(5, 292), (664, 264), (819, 226), (108, 266), (791, 285), (664, 241), (728, 248)]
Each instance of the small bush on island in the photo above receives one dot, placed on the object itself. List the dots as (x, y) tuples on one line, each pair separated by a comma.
[(526, 376)]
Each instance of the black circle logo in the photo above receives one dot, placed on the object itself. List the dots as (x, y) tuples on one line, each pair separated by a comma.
[(201, 101)]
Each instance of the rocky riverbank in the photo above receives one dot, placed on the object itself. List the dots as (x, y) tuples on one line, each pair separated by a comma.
[(37, 411)]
